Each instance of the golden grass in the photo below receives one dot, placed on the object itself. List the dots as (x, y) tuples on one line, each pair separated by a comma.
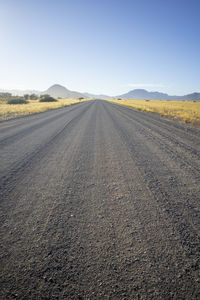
[(186, 111), (34, 106)]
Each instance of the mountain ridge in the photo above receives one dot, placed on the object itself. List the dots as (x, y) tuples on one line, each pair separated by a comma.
[(58, 90), (141, 94), (17, 92), (101, 96)]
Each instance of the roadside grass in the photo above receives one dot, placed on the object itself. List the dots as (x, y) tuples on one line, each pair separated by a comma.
[(33, 106), (185, 111)]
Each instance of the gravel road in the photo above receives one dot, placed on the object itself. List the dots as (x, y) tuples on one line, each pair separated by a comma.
[(99, 201)]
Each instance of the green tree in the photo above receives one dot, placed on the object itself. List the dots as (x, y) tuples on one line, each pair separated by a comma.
[(26, 96), (47, 98), (33, 97)]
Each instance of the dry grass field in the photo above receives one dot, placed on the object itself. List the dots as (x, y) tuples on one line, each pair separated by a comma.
[(34, 106), (186, 111)]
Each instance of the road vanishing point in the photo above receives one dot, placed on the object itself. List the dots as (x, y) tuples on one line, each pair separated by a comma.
[(99, 201)]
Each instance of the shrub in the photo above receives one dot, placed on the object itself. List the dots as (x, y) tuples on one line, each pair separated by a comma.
[(17, 101), (26, 96), (5, 95), (47, 99), (33, 97)]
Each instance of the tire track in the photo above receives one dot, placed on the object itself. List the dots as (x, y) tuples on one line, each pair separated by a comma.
[(166, 196), (31, 158), (4, 142)]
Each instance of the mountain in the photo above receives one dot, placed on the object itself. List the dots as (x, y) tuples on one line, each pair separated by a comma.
[(144, 94), (88, 95), (20, 92), (57, 90), (190, 97)]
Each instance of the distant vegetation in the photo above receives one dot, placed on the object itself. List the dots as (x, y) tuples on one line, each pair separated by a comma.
[(47, 98), (5, 95), (186, 111), (10, 99), (31, 97), (32, 105), (17, 101)]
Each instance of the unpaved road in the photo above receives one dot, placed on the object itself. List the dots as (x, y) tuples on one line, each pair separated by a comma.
[(99, 201)]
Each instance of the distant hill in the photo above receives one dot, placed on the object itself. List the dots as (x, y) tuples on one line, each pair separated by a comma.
[(190, 97), (144, 94), (20, 92), (88, 95), (57, 90)]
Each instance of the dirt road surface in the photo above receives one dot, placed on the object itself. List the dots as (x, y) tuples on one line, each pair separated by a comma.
[(99, 201)]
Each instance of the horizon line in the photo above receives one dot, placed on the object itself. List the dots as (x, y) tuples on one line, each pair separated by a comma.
[(97, 93)]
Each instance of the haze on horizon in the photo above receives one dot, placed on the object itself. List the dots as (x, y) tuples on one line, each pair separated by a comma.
[(106, 47)]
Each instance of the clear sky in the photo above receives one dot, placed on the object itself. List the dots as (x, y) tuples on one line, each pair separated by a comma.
[(101, 46)]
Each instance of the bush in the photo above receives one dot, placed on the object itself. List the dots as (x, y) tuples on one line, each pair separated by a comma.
[(17, 101), (48, 99), (33, 97), (5, 95)]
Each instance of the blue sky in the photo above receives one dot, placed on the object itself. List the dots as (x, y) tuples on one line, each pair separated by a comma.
[(101, 46)]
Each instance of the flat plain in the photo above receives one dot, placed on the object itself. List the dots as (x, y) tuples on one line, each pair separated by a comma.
[(34, 106), (184, 111), (99, 201)]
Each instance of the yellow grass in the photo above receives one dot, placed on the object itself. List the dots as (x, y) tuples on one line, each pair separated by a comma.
[(34, 106), (186, 111)]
